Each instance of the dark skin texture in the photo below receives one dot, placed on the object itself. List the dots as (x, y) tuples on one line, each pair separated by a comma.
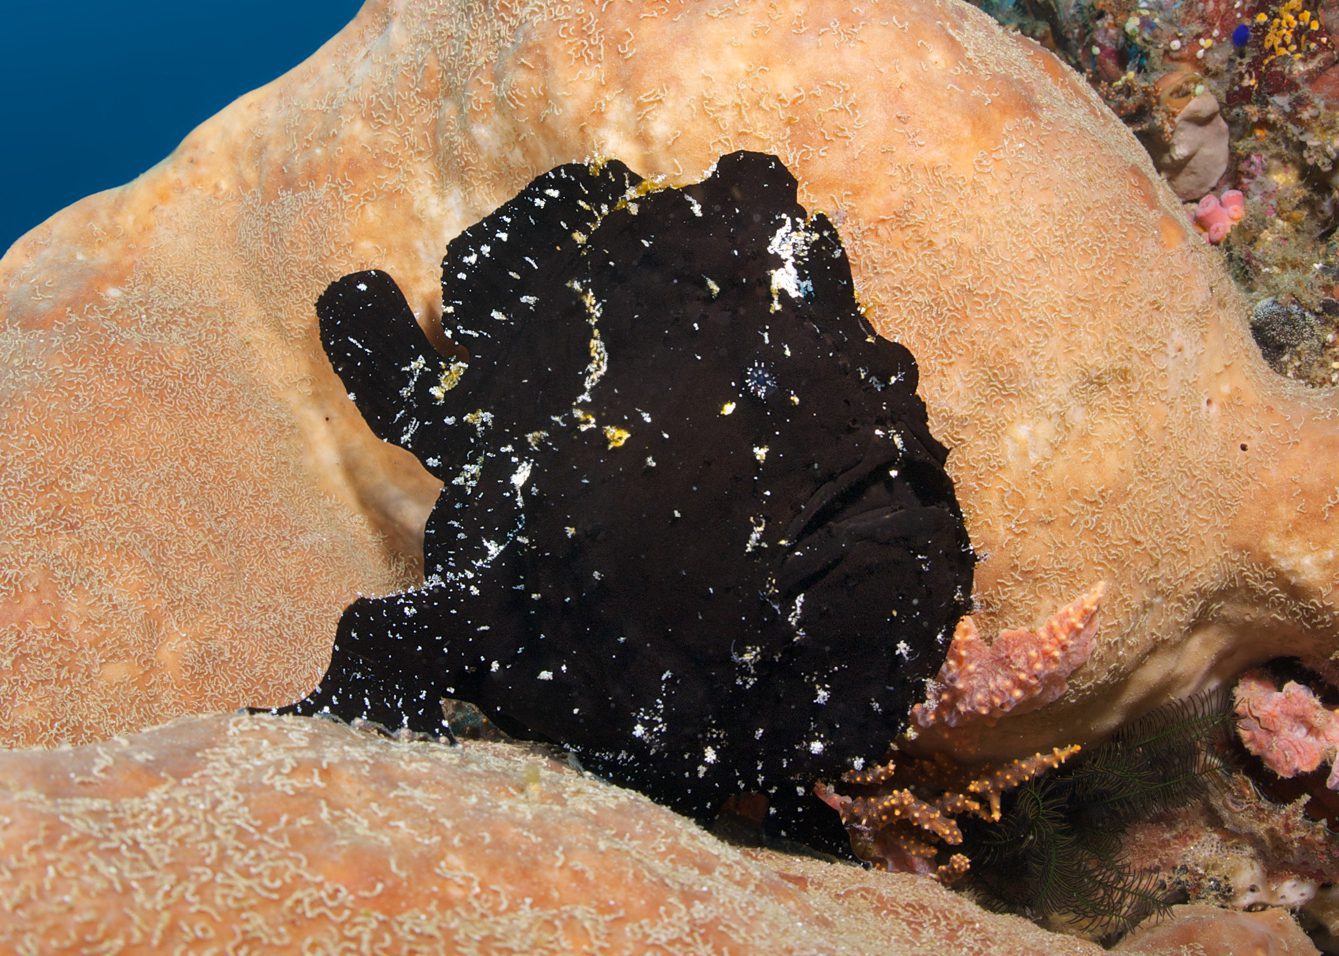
[(694, 526)]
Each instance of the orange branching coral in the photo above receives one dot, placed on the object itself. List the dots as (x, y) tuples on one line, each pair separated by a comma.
[(1020, 672), (900, 814)]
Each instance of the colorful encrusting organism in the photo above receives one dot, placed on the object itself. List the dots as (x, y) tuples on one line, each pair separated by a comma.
[(1238, 106)]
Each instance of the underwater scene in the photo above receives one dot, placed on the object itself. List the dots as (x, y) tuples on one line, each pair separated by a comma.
[(788, 476), (116, 88)]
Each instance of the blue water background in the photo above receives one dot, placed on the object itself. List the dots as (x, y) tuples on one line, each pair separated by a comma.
[(96, 92)]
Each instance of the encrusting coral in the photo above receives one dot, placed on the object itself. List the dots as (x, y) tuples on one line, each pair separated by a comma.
[(1207, 929), (1020, 671), (1291, 730), (283, 835)]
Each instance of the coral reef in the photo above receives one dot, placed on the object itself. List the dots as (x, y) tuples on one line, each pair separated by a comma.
[(282, 835), (1084, 378), (1058, 852), (1265, 77), (1042, 835), (188, 498), (1238, 848)]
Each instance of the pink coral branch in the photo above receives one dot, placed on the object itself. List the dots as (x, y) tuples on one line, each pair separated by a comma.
[(1020, 672), (1289, 729)]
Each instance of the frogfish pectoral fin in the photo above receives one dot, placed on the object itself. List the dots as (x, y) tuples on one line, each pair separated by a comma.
[(397, 378), (386, 667)]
